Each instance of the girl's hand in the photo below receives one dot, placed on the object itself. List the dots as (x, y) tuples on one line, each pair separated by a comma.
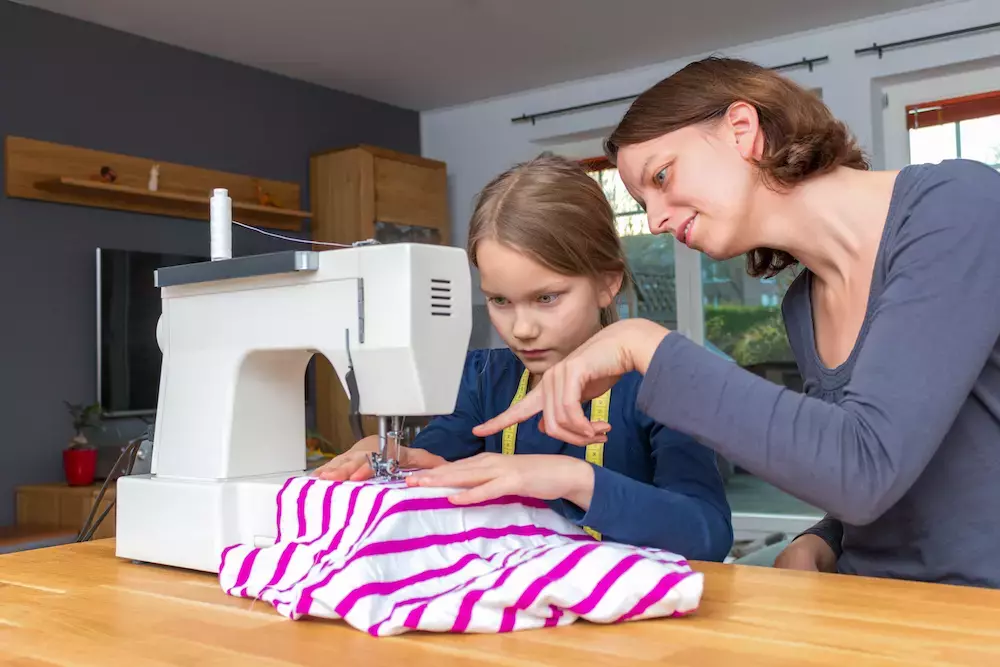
[(353, 464), (585, 374), (489, 476)]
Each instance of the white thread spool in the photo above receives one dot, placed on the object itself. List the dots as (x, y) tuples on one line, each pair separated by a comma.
[(221, 224)]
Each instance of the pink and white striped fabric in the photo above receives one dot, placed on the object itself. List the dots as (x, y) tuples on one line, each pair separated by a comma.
[(388, 559)]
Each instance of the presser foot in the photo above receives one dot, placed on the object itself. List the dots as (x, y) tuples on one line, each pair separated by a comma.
[(385, 470)]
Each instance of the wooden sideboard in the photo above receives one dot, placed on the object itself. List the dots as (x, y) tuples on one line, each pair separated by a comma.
[(48, 507)]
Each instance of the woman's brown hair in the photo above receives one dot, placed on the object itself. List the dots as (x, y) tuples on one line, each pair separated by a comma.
[(550, 209), (802, 138)]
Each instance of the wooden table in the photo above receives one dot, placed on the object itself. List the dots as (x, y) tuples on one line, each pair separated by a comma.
[(79, 605)]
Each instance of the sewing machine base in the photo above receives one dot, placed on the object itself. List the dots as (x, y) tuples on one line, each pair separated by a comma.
[(188, 523)]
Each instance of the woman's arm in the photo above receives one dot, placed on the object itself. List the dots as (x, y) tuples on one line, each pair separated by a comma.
[(830, 530), (932, 331), (816, 549), (684, 510)]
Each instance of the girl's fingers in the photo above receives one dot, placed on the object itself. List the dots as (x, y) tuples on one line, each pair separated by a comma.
[(422, 459), (461, 477), (450, 467), (492, 489), (338, 470), (361, 473)]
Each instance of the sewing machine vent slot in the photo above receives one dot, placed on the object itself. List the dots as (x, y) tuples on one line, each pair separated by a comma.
[(440, 297)]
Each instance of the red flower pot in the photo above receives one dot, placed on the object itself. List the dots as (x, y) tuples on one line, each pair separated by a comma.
[(80, 466)]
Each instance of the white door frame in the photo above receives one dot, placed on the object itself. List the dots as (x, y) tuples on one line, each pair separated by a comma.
[(690, 305), (896, 97)]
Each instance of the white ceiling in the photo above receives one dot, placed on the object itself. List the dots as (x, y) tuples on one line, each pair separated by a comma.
[(425, 54)]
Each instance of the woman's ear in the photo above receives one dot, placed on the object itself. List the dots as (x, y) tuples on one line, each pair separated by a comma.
[(743, 126), (609, 287)]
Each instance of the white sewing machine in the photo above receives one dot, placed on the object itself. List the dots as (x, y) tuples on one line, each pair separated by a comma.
[(236, 336)]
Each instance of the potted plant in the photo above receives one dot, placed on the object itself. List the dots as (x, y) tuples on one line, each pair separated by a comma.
[(80, 457), (317, 447)]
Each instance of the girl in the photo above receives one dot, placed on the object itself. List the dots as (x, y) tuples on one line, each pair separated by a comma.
[(551, 265), (894, 322)]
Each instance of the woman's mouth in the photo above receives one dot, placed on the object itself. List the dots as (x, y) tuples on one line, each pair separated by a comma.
[(684, 231)]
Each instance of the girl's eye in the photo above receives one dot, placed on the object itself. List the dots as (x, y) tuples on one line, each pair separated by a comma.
[(498, 301), (547, 298), (660, 176)]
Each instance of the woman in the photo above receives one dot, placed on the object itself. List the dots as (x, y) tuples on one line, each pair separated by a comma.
[(894, 322)]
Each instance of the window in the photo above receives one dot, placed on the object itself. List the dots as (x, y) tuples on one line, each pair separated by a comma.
[(743, 317), (943, 115), (743, 322), (961, 127), (650, 257)]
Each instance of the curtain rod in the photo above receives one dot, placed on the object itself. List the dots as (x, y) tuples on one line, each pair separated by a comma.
[(524, 118), (881, 48)]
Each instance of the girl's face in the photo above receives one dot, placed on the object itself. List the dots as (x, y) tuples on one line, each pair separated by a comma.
[(541, 315), (698, 183)]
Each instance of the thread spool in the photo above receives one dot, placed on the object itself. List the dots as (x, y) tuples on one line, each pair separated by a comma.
[(221, 225)]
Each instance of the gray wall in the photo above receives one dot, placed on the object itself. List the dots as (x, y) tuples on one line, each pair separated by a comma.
[(76, 83)]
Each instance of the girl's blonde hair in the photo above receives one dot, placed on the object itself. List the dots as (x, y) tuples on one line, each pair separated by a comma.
[(553, 211)]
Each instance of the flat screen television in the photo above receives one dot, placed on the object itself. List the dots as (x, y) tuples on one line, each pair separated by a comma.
[(128, 307)]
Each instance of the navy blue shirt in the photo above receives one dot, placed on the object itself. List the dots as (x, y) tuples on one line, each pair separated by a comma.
[(657, 487)]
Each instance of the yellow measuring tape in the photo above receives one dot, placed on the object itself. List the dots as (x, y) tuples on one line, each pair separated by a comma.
[(599, 408)]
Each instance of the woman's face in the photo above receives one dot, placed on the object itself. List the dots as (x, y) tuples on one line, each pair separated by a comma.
[(698, 183)]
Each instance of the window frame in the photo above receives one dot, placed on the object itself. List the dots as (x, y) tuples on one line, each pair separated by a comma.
[(898, 97), (952, 110)]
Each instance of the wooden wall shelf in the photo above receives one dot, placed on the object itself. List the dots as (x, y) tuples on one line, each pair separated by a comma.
[(65, 174), (125, 190)]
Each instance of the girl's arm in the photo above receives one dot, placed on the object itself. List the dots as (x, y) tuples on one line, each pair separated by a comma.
[(684, 510)]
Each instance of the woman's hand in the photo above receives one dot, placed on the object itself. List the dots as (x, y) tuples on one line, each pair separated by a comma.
[(587, 373), (807, 552), (353, 464), (489, 476)]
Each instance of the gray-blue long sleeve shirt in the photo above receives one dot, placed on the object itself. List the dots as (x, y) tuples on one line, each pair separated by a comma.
[(900, 443)]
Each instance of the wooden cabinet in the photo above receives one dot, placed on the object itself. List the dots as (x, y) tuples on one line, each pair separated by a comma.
[(64, 507), (364, 192), (361, 193)]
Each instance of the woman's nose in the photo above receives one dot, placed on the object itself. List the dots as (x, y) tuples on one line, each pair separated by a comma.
[(659, 222)]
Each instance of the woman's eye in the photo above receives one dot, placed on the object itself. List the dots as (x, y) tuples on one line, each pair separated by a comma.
[(660, 176), (498, 301)]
